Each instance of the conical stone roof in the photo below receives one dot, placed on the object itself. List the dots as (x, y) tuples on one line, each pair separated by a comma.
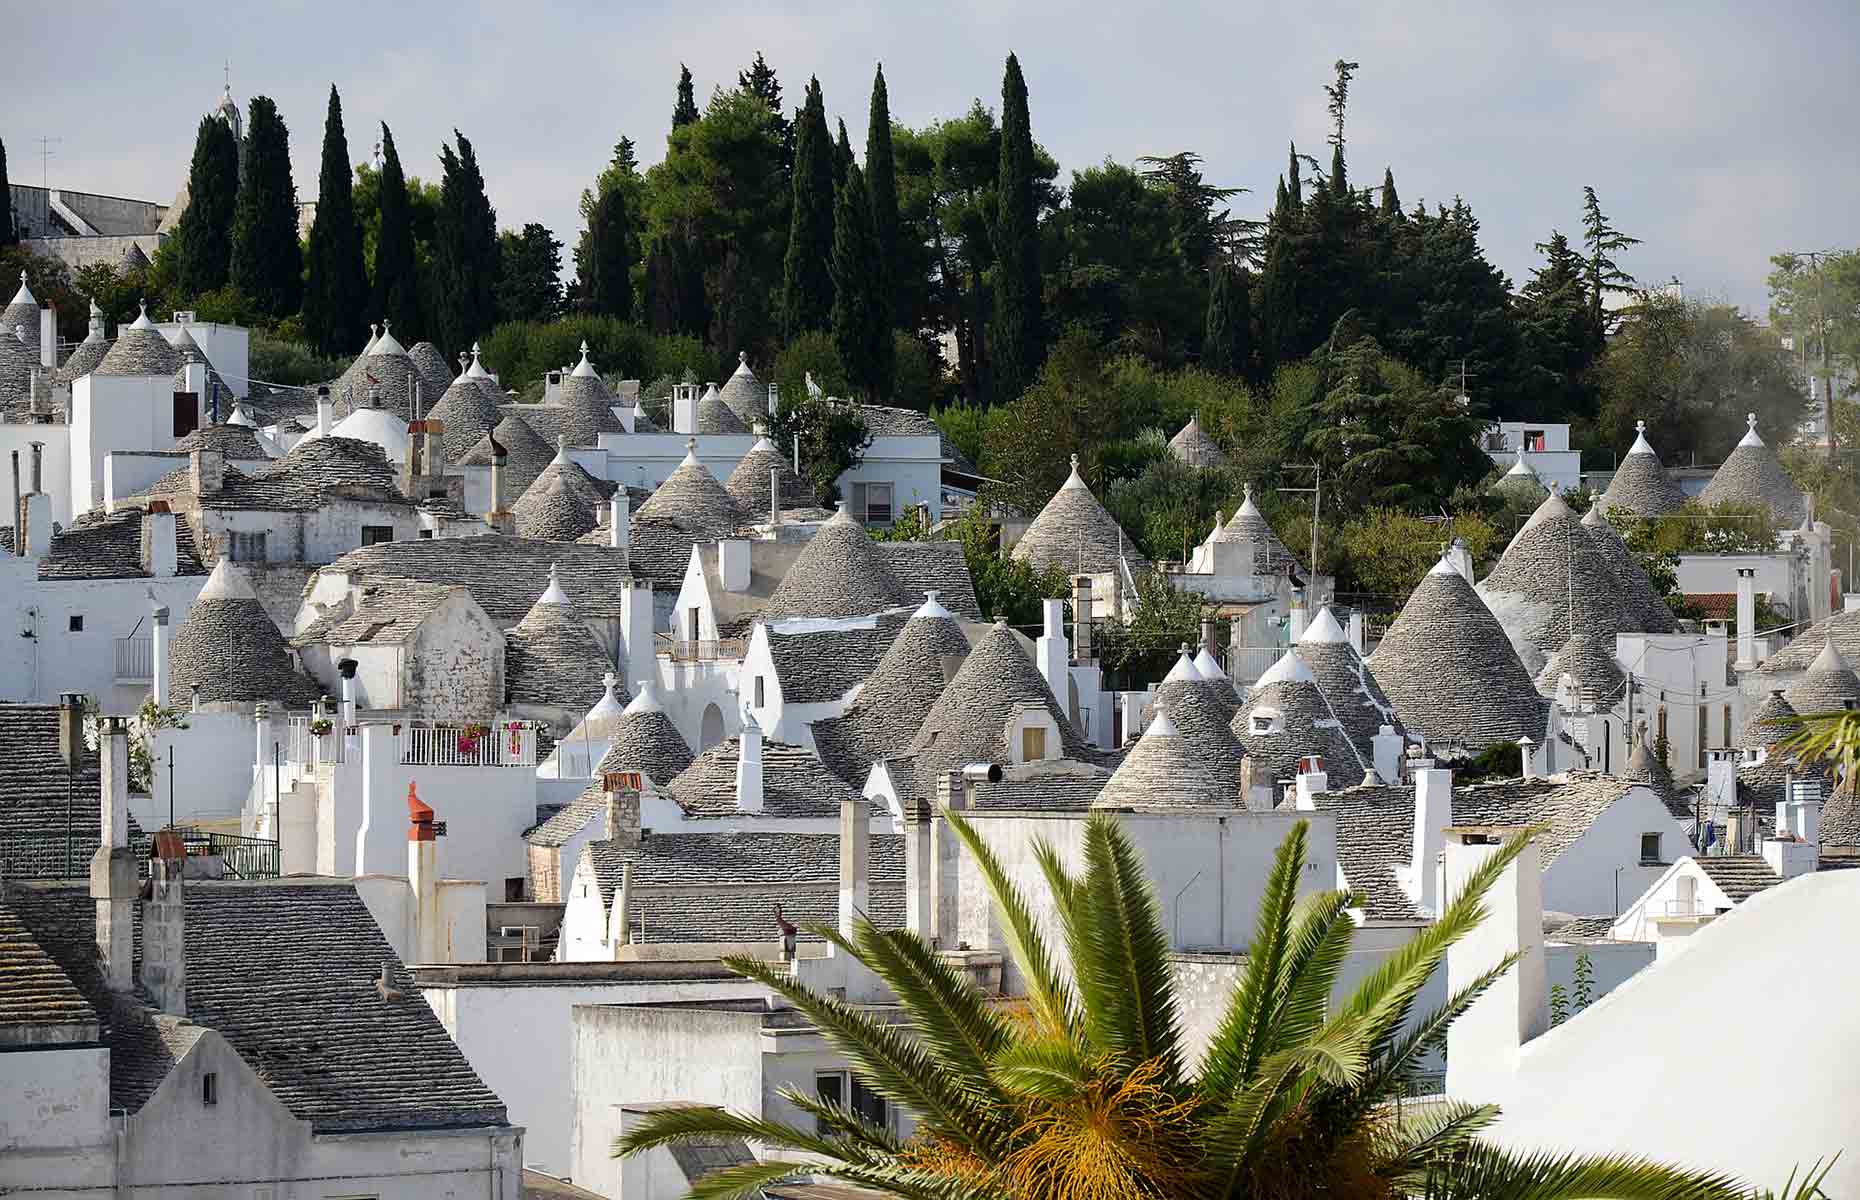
[(1248, 524), (588, 404), (898, 695), (1639, 602), (384, 378), (838, 574), (716, 417), (22, 311), (1769, 724), (1165, 770), (744, 393), (1641, 485), (1193, 446), (435, 373), (549, 511), (229, 649), (692, 499), (1520, 483), (551, 656), (1074, 533), (1587, 656), (601, 720), (139, 349), (1548, 565), (17, 361), (748, 484), (1829, 685), (1287, 717), (131, 260), (1347, 683), (526, 455), (969, 721), (645, 740), (1644, 767), (468, 411), (1840, 820), (1753, 476), (1203, 711), (88, 353), (1450, 670)]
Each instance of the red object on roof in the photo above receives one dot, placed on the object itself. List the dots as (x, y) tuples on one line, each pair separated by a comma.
[(421, 816), (1714, 606)]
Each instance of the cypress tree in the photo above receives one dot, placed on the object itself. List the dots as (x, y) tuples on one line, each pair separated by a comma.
[(860, 333), (609, 286), (1018, 319), (1228, 347), (807, 282), (396, 294), (1391, 203), (1294, 190), (842, 158), (267, 263), (685, 110), (881, 185), (464, 249), (336, 287), (203, 240), (9, 232)]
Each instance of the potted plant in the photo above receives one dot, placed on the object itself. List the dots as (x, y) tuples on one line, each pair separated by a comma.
[(468, 738), (321, 726)]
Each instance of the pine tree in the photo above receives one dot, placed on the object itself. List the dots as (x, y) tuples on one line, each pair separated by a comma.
[(807, 281), (761, 81), (1228, 346), (860, 333), (685, 110), (1018, 331), (9, 231), (608, 289), (267, 263), (1391, 203), (396, 294), (529, 284), (465, 249), (881, 183), (336, 287), (1553, 324), (1339, 94), (1602, 240), (203, 240)]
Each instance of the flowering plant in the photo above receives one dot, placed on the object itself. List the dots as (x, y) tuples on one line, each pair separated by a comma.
[(321, 726)]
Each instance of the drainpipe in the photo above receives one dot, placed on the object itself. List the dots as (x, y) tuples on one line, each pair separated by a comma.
[(19, 526)]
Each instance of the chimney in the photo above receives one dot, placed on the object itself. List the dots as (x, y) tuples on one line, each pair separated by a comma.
[(733, 571), (346, 668), (1081, 620), (1356, 631), (684, 408), (1460, 559), (1312, 781), (1386, 748), (423, 878), (622, 790), (411, 470), (38, 468), (855, 854), (324, 411), (749, 767), (435, 459), (1483, 1044), (207, 469), (164, 926), (620, 520), (1050, 650), (1433, 812), (636, 624), (1527, 761), (1295, 619), (774, 496), (622, 927), (48, 337), (113, 866), (158, 646), (497, 518), (38, 507), (161, 551), (945, 855), (1746, 619), (19, 513)]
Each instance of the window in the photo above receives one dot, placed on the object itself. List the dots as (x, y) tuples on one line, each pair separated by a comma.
[(878, 503), (426, 535), (77, 623), (691, 631), (1033, 743), (1725, 740), (1704, 721), (1649, 848), (761, 695), (1261, 723), (1534, 439), (210, 1088), (843, 1088), (513, 889), (248, 547), (186, 413), (375, 534), (1608, 748), (1659, 737)]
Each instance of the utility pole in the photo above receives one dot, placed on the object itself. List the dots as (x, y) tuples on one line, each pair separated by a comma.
[(1316, 491), (45, 158)]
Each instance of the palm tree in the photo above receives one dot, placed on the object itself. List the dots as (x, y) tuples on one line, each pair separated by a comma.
[(1084, 1089)]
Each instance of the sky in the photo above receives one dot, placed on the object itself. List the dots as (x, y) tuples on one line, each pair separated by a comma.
[(1719, 132)]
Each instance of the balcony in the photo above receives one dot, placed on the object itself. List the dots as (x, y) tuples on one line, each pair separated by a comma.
[(135, 659), (44, 856), (720, 650)]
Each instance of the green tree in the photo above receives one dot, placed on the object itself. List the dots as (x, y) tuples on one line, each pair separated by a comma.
[(1603, 275), (465, 249), (1557, 346), (1091, 1090), (396, 293), (1228, 345), (1198, 234), (1816, 302), (607, 271), (529, 285), (881, 183), (807, 281), (1339, 96), (267, 262), (860, 332), (842, 158), (833, 437), (1391, 201), (336, 286), (204, 235), (761, 82), (1019, 323), (685, 110), (9, 228)]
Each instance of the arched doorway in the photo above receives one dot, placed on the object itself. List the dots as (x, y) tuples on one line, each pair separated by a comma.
[(712, 730)]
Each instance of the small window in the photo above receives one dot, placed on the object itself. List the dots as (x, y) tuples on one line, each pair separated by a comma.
[(878, 508), (761, 694), (1261, 723), (845, 1090), (248, 547), (1649, 848), (513, 889), (210, 1088), (77, 622), (373, 535), (426, 535), (1033, 743)]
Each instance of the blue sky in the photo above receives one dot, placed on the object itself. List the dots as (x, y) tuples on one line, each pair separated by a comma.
[(1717, 132)]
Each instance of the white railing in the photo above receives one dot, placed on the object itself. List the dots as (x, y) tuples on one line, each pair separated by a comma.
[(1684, 908), (135, 658), (505, 744), (1245, 664), (304, 748)]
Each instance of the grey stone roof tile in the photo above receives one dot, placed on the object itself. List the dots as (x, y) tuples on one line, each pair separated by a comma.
[(1752, 475), (1193, 446), (897, 696), (34, 990), (506, 575), (748, 484), (1641, 603), (646, 741), (1075, 533), (745, 395), (468, 409), (234, 441), (551, 657), (887, 421), (1738, 876), (139, 349), (715, 417), (108, 545), (1304, 723), (1348, 684), (526, 455), (1829, 685), (1643, 767), (1163, 770), (794, 783), (818, 665), (434, 371), (1549, 565), (692, 498), (1641, 485), (36, 784), (839, 573), (1587, 658)]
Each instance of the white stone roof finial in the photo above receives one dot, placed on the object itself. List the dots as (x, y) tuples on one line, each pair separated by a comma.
[(1640, 427), (742, 356), (554, 594), (1750, 419), (584, 347), (1075, 463)]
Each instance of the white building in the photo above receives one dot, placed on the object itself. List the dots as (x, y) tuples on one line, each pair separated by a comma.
[(1544, 447)]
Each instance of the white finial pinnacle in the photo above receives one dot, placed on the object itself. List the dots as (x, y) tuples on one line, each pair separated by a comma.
[(584, 347), (1075, 462), (1640, 427), (474, 351), (1750, 419), (374, 330), (691, 445), (742, 356)]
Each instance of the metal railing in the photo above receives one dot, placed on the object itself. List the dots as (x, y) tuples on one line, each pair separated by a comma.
[(135, 658), (42, 856), (507, 744), (722, 649), (1245, 664)]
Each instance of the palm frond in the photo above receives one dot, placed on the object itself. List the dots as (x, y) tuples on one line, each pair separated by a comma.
[(1483, 1171), (1394, 1065), (746, 1181), (1122, 966), (875, 1141), (1441, 1130), (1234, 1135), (1239, 1041), (1322, 933), (891, 1062), (666, 1126), (1049, 1070), (1045, 989)]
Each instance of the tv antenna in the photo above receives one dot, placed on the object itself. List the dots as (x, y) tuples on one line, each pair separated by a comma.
[(45, 157)]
